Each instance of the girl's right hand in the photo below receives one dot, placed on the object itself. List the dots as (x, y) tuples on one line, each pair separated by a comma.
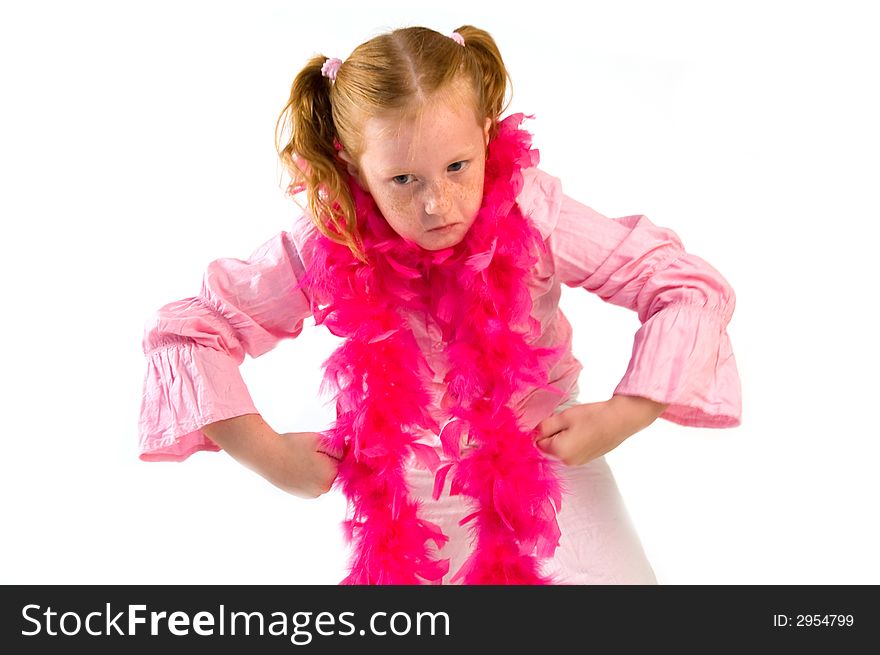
[(302, 465)]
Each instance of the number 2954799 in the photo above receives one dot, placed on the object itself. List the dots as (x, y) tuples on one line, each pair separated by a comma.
[(813, 620)]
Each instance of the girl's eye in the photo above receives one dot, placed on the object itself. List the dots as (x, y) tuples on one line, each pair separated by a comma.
[(403, 180)]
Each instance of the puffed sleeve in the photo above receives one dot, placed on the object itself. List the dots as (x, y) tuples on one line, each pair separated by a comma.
[(194, 346), (682, 355)]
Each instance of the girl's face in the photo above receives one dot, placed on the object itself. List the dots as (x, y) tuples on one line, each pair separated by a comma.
[(425, 171)]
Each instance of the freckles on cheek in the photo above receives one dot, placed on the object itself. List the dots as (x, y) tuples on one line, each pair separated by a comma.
[(470, 195), (398, 206), (396, 209)]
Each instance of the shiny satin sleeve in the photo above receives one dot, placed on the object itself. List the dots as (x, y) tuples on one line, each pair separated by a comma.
[(194, 346), (682, 354)]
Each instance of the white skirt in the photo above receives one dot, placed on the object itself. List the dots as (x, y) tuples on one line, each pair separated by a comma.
[(599, 544)]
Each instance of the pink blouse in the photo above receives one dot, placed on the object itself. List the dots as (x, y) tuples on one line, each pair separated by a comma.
[(682, 355)]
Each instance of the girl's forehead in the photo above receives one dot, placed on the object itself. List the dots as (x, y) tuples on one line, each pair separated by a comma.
[(389, 144), (445, 123)]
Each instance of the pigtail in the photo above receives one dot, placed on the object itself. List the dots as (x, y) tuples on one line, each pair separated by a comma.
[(306, 138), (490, 72)]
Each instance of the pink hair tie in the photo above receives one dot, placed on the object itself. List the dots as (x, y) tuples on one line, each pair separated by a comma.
[(330, 68), (458, 38)]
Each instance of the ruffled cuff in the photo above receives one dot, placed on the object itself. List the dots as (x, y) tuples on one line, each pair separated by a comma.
[(682, 356), (186, 387)]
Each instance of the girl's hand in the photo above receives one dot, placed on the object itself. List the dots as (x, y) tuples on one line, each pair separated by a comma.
[(582, 433), (301, 465)]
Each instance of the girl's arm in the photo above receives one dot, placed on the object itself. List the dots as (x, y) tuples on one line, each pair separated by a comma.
[(682, 354), (635, 412), (295, 462), (194, 346), (682, 366)]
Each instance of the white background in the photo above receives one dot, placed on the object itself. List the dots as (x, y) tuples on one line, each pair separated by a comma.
[(136, 145)]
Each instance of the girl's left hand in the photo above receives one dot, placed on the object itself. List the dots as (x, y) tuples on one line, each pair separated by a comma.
[(582, 433)]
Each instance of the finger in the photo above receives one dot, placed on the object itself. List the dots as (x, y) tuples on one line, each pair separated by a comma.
[(550, 426), (330, 452), (548, 446), (329, 456), (327, 448)]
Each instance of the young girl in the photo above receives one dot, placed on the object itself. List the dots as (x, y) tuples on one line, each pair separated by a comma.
[(435, 247)]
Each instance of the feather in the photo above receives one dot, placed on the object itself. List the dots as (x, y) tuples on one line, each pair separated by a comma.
[(477, 292)]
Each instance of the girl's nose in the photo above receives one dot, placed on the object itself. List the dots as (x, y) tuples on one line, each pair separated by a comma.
[(437, 199)]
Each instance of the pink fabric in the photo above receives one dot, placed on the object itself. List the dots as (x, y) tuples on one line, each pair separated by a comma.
[(681, 356)]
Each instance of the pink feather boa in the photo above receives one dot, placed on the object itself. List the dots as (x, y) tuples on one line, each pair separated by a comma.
[(476, 292)]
